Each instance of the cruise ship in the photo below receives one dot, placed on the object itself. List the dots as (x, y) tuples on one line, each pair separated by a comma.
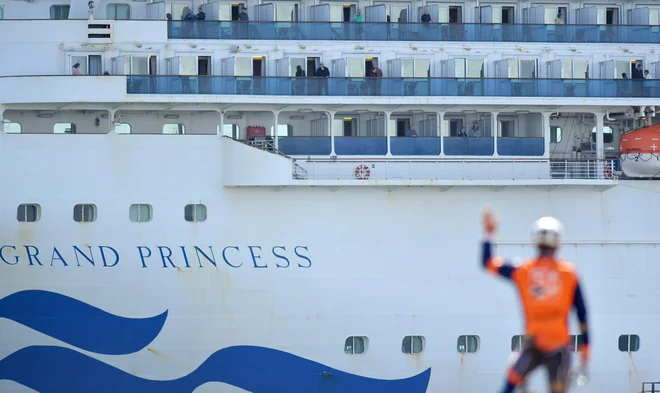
[(285, 196)]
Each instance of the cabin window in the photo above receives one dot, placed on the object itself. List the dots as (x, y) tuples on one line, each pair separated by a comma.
[(122, 128), (230, 130), (355, 345), (13, 128), (84, 212), (467, 344), (575, 345), (174, 129), (195, 213), (628, 343), (555, 134), (28, 212), (608, 135), (2, 13), (283, 130), (468, 68), (64, 128), (118, 11), (140, 212), (59, 12), (517, 343), (413, 344)]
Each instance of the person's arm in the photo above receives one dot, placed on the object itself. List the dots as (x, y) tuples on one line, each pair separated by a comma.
[(490, 263), (581, 309)]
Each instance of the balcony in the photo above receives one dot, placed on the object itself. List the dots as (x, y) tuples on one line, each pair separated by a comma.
[(393, 87), (377, 31)]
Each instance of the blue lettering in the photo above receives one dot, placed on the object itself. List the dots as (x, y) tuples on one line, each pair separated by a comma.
[(30, 256), (2, 256), (309, 264), (167, 257), (198, 251), (105, 264), (142, 256), (255, 257), (59, 256), (224, 256), (281, 257), (185, 256), (89, 258)]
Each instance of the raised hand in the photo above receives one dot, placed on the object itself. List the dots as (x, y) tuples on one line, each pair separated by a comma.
[(489, 222)]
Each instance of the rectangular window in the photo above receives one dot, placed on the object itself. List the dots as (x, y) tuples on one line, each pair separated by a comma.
[(555, 134), (118, 11), (2, 13), (28, 212), (412, 345), (59, 12), (469, 68), (195, 213), (84, 213), (467, 344), (355, 345), (140, 213)]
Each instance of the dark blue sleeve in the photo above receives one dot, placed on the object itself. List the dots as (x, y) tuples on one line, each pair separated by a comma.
[(505, 269), (581, 308)]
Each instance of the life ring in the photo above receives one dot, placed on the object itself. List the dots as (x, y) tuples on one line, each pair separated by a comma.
[(362, 172), (607, 172)]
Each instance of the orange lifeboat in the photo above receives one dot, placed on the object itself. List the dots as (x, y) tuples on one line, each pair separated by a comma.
[(640, 152)]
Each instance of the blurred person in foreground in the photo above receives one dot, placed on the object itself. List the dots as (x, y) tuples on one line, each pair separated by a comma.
[(549, 288)]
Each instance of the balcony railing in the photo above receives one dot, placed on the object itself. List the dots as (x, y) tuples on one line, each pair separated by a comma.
[(458, 170), (380, 31), (393, 87), (409, 146)]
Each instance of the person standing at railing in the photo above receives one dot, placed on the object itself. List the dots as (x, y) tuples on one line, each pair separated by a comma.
[(324, 73)]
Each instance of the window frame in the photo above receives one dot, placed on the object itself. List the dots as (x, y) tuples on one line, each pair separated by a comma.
[(365, 341), (629, 342), (37, 213), (411, 337), (51, 11), (82, 207), (139, 206), (467, 347), (195, 207), (107, 6), (558, 134)]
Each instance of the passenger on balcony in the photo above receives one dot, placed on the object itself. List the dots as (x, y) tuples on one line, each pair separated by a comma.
[(75, 69), (376, 73), (559, 20), (411, 131), (188, 27), (243, 15), (323, 73), (475, 131), (462, 133), (199, 27), (426, 17), (359, 18), (638, 72), (299, 84)]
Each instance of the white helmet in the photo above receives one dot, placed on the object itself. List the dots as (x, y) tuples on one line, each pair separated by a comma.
[(547, 232)]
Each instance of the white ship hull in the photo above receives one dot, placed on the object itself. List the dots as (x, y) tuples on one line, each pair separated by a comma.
[(383, 264)]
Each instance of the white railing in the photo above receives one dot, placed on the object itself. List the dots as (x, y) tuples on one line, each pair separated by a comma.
[(455, 170)]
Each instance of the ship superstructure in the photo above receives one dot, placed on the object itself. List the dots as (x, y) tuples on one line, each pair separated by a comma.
[(296, 184)]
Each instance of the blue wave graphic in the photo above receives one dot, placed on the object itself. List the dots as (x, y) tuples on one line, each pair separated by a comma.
[(80, 324), (49, 369)]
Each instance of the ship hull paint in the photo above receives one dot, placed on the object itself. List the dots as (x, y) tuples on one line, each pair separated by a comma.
[(382, 264)]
